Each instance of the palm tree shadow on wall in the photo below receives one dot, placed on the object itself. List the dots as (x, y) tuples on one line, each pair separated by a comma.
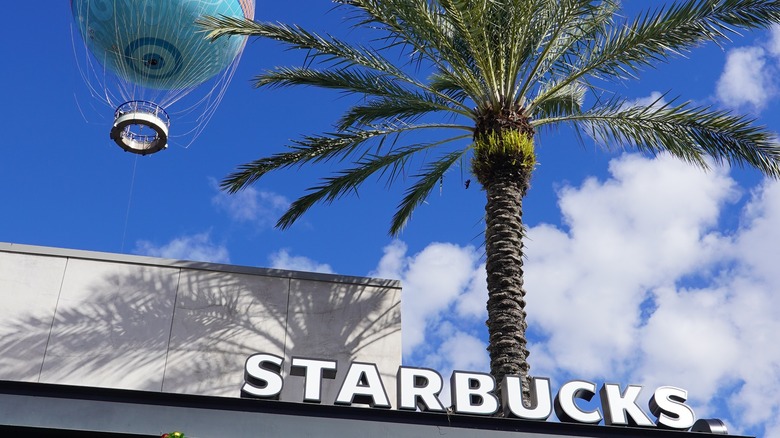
[(190, 330)]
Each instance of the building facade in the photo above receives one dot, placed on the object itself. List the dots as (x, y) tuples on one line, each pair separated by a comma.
[(128, 322), (103, 345)]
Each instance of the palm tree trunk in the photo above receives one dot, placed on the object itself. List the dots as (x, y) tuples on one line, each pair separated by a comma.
[(504, 252)]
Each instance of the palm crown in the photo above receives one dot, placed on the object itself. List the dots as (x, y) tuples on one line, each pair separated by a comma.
[(495, 71)]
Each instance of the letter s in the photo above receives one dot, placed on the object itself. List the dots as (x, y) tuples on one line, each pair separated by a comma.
[(262, 376), (668, 404)]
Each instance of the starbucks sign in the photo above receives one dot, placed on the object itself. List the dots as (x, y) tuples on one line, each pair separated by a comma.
[(474, 393)]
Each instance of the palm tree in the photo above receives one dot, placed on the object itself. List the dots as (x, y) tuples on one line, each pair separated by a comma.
[(484, 76)]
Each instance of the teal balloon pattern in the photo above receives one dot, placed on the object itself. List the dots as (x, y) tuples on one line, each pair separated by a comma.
[(156, 43)]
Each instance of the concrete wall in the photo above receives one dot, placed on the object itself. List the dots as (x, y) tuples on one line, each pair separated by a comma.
[(106, 320)]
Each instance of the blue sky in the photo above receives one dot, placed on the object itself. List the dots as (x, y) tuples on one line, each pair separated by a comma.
[(639, 270)]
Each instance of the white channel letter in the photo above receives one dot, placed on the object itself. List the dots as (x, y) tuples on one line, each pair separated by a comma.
[(566, 408), (668, 404), (621, 409), (363, 384), (472, 393), (262, 376), (540, 402), (313, 371), (419, 388)]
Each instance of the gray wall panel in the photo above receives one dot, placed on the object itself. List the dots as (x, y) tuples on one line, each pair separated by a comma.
[(221, 319), (112, 326), (29, 289), (164, 325), (346, 323)]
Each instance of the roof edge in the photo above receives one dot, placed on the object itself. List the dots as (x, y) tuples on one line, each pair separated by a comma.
[(188, 264)]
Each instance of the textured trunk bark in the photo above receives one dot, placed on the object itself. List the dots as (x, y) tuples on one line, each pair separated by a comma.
[(504, 252)]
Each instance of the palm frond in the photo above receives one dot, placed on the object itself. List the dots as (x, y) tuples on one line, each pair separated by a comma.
[(419, 191), (567, 100), (657, 35), (328, 49), (342, 79), (445, 82), (321, 148), (570, 24), (404, 109), (689, 132), (347, 181), (468, 40), (428, 34)]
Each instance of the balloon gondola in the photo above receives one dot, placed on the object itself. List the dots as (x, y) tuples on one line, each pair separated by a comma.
[(146, 57)]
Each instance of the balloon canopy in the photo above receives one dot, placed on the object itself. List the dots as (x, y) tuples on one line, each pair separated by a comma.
[(143, 56), (156, 43)]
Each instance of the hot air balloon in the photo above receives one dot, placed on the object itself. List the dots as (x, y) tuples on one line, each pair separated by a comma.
[(144, 57)]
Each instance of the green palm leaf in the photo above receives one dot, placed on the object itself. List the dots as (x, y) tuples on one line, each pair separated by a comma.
[(419, 191), (688, 132), (347, 181)]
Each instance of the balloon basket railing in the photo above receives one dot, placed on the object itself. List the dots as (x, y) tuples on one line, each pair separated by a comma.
[(141, 127)]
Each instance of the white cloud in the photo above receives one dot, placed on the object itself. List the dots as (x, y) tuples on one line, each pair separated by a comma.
[(690, 341), (458, 350), (774, 40), (747, 80), (462, 351), (637, 230), (283, 260), (472, 302), (197, 247), (722, 336), (250, 205), (392, 263), (433, 282)]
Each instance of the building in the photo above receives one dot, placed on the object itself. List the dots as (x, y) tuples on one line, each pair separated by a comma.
[(95, 344)]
